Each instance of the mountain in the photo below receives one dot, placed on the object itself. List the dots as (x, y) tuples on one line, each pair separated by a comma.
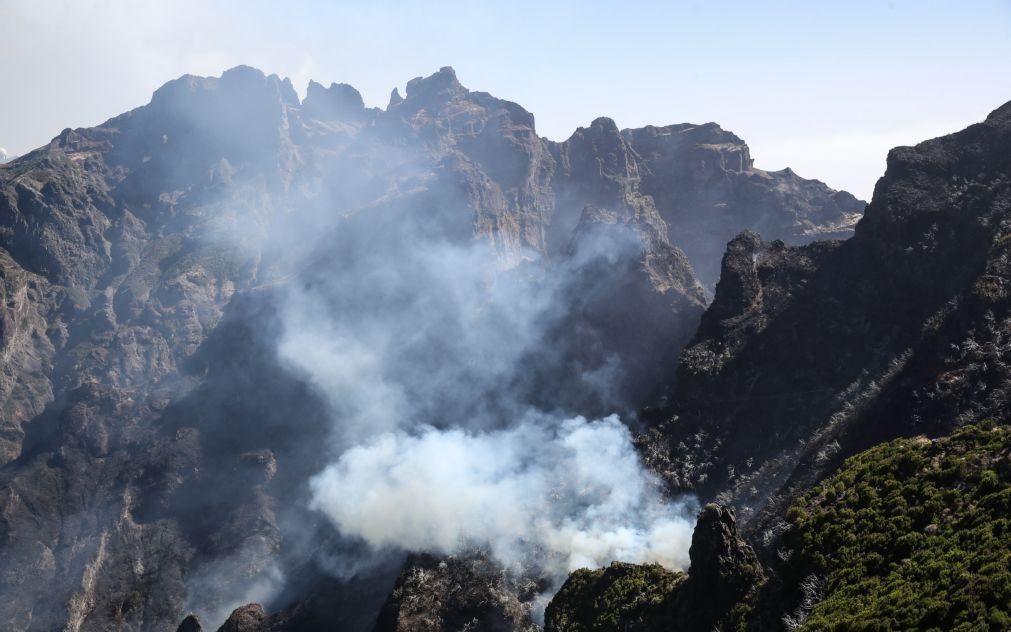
[(156, 438), (810, 354), (850, 400)]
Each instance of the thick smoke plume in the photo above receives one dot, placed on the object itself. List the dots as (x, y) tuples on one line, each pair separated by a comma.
[(548, 494), (457, 414), (457, 378)]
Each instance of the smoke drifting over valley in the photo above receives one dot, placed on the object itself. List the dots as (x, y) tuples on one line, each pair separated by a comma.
[(454, 379), (283, 356), (543, 495), (285, 344)]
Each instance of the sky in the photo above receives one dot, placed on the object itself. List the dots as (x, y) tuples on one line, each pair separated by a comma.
[(825, 88)]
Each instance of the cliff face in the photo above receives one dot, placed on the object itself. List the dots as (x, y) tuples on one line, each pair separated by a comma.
[(150, 430), (810, 354), (434, 594), (850, 399), (703, 181)]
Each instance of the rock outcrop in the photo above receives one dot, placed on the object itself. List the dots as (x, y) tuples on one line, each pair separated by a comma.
[(434, 594), (190, 624), (248, 618), (724, 570), (703, 181), (723, 565), (724, 573)]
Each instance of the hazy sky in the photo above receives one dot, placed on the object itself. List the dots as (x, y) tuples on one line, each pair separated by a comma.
[(825, 88)]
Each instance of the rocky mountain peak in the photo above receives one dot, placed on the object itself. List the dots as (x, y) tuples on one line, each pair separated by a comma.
[(338, 102), (697, 148), (1000, 117), (395, 98), (117, 292), (601, 133), (246, 78), (192, 123), (738, 287), (442, 85), (240, 82), (604, 125)]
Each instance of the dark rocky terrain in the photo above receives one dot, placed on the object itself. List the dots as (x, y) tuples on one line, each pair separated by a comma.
[(153, 443), (810, 354)]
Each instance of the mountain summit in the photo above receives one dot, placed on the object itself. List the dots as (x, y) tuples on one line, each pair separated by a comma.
[(160, 427)]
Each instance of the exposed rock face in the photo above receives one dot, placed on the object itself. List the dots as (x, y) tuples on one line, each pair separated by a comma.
[(724, 570), (697, 184), (810, 354), (149, 431), (436, 594), (248, 618), (431, 594), (27, 352), (703, 181), (190, 624), (723, 564), (338, 103)]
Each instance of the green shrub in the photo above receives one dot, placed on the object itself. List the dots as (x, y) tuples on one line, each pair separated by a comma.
[(912, 535), (620, 597)]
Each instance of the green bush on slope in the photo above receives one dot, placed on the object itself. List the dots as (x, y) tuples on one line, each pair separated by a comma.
[(912, 534), (620, 597)]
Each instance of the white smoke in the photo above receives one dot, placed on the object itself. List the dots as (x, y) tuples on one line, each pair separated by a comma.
[(398, 335), (422, 349), (459, 387), (549, 495), (392, 338), (3, 155)]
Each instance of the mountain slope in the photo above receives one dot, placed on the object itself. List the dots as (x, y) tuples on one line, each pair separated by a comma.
[(810, 354), (153, 440), (909, 535)]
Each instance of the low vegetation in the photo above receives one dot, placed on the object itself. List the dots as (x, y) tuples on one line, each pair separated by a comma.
[(620, 597), (912, 534)]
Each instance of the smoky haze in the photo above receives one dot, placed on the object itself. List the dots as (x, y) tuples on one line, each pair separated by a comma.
[(317, 337), (423, 388), (455, 401)]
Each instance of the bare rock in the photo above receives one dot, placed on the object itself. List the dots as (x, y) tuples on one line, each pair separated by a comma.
[(190, 624), (246, 618), (435, 594)]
